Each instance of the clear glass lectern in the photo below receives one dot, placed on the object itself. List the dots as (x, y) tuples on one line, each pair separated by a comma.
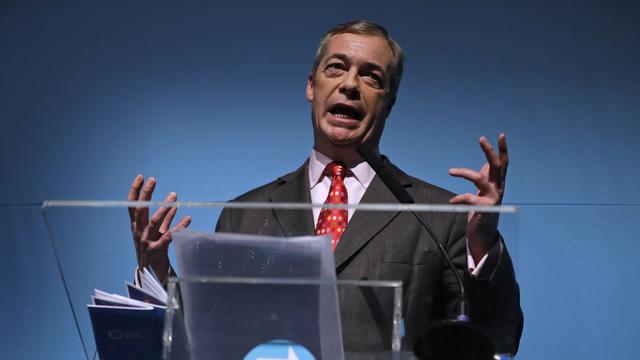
[(244, 317)]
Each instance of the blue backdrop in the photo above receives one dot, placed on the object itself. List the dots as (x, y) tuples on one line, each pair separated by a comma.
[(209, 98)]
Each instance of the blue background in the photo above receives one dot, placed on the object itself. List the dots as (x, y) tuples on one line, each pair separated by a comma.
[(209, 98)]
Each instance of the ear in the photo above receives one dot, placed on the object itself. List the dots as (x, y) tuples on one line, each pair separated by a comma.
[(309, 91)]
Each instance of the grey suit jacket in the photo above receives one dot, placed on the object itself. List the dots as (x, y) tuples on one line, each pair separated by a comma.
[(393, 246)]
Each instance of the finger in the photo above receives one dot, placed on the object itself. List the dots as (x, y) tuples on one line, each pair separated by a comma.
[(489, 152), (166, 238), (478, 178), (504, 153), (134, 192), (170, 215), (147, 189), (471, 199), (492, 158), (484, 170), (159, 217), (464, 199), (145, 195)]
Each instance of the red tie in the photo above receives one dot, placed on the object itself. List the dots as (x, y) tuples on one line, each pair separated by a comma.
[(334, 221)]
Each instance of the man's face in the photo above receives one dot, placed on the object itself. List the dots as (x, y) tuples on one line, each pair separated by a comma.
[(349, 92)]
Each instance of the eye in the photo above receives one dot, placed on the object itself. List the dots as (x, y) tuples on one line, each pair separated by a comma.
[(374, 80), (334, 69)]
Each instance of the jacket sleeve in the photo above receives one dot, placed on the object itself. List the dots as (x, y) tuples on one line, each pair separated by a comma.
[(493, 295)]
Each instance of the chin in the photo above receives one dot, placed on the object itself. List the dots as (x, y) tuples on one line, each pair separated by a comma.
[(344, 141)]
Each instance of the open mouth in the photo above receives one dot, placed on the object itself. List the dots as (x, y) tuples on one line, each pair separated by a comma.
[(342, 111)]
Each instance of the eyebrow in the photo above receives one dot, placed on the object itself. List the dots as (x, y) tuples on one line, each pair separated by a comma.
[(345, 58)]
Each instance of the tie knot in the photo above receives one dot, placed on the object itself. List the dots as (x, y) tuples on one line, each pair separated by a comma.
[(337, 169)]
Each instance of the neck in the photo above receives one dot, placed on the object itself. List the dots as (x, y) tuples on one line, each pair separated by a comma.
[(346, 154)]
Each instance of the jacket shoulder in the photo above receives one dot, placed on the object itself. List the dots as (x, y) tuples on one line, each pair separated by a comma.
[(422, 191), (262, 193), (258, 194)]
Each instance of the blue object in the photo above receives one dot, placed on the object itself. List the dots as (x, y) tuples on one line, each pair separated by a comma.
[(279, 350)]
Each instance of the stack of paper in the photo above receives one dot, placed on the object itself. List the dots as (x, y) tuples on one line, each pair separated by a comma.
[(129, 327)]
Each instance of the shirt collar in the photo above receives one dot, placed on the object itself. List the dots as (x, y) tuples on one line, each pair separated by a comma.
[(362, 172)]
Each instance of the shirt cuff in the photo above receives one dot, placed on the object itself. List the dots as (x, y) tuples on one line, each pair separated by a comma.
[(475, 269)]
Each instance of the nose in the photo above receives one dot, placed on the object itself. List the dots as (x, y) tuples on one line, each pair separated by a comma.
[(350, 85)]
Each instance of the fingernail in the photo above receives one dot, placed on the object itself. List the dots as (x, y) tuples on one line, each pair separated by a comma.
[(139, 178), (188, 219), (151, 181)]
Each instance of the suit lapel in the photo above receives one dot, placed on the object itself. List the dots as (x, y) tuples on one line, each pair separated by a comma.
[(294, 187), (364, 225)]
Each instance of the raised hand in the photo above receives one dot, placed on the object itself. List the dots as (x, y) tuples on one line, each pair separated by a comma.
[(482, 229), (151, 236)]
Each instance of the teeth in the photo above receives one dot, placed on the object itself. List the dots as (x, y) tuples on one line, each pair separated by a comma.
[(344, 113)]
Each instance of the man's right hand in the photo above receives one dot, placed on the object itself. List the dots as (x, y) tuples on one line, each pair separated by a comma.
[(151, 236)]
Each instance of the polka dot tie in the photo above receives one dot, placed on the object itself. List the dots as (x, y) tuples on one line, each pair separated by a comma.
[(334, 221)]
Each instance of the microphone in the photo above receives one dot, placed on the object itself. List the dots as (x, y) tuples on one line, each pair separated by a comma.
[(454, 338)]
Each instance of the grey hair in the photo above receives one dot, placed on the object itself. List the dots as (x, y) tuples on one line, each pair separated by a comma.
[(364, 27)]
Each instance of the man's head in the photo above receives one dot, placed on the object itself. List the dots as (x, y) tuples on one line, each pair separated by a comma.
[(352, 86)]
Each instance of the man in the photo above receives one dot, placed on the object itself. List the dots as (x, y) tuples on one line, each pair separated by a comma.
[(352, 89)]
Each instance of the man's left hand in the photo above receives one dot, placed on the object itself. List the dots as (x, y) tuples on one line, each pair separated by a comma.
[(482, 228)]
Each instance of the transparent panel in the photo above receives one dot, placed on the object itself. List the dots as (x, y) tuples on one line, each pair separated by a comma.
[(577, 266), (93, 245), (264, 310), (33, 304)]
